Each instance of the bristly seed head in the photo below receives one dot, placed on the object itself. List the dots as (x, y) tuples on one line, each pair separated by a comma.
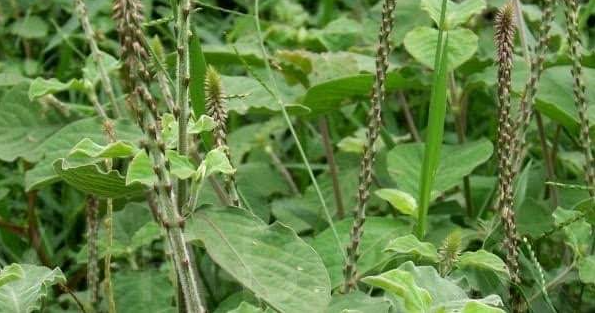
[(213, 86), (504, 31)]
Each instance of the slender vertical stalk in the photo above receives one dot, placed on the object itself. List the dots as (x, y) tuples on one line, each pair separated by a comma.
[(409, 117), (109, 225), (183, 80), (282, 169), (330, 158), (92, 234), (97, 56), (574, 43), (457, 108), (530, 90), (504, 38), (373, 129)]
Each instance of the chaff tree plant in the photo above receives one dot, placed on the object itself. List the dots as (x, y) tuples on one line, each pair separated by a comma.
[(170, 190)]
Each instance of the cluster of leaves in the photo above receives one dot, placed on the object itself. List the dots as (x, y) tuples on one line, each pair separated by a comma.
[(279, 252)]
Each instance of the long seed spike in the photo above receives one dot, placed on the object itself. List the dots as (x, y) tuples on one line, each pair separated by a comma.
[(504, 39), (374, 123)]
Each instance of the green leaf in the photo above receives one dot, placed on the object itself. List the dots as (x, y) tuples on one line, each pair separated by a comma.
[(478, 307), (340, 34), (60, 144), (586, 269), (253, 97), (436, 117), (11, 273), (216, 162), (24, 125), (40, 87), (140, 170), (30, 27), (444, 292), (246, 307), (482, 259), (91, 72), (404, 164), (25, 294), (330, 95), (225, 54), (91, 179), (421, 43), (578, 233), (402, 285), (555, 97), (358, 301), (204, 123), (456, 13), (143, 291), (270, 260), (400, 200), (410, 245), (198, 69), (180, 166), (379, 231), (118, 149), (410, 15)]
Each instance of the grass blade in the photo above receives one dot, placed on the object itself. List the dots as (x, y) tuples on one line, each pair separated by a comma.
[(435, 130)]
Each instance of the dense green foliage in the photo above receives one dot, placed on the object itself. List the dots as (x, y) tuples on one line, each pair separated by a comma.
[(217, 168)]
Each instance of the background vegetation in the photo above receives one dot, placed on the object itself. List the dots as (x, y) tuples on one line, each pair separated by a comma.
[(208, 155)]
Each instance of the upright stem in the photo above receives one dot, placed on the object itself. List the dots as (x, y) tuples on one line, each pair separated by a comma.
[(330, 158), (183, 80), (109, 226), (373, 129), (548, 157), (97, 56), (282, 169), (92, 259), (33, 229), (457, 108), (409, 117)]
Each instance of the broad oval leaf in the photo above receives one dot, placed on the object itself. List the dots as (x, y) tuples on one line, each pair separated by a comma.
[(483, 259), (586, 269), (330, 95), (456, 161), (401, 201), (270, 260), (402, 285), (25, 294), (456, 13), (41, 87), (60, 144), (143, 291), (359, 302), (410, 245), (24, 125), (421, 43), (555, 97), (91, 179), (379, 231)]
